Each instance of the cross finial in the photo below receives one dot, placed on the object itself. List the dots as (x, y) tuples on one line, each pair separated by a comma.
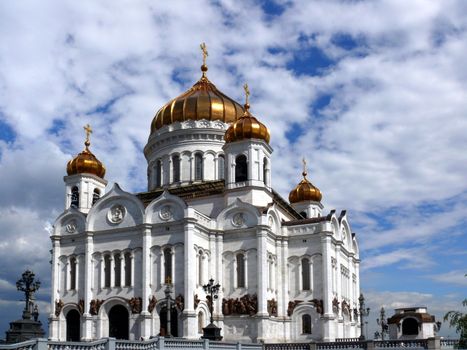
[(204, 50), (247, 95), (88, 130), (168, 280), (304, 167)]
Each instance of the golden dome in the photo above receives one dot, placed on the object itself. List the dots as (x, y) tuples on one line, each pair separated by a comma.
[(247, 127), (86, 161), (305, 191), (202, 101)]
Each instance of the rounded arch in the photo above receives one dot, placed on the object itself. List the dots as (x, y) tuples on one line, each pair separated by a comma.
[(410, 326), (71, 221), (121, 312), (238, 215), (335, 227), (307, 311), (202, 315), (165, 208), (73, 325)]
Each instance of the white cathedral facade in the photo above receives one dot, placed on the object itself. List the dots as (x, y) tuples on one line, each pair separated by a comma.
[(288, 270)]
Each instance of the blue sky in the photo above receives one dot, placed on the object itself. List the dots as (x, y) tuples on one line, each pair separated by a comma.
[(372, 93)]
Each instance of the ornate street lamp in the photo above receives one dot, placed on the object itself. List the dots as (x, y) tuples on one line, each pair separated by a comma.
[(211, 331), (363, 313), (168, 304), (29, 286), (383, 323)]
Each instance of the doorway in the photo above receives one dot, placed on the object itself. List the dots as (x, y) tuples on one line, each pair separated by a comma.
[(73, 326), (173, 322), (118, 322)]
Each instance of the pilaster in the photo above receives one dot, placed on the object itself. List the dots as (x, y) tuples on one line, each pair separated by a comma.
[(189, 316), (146, 280), (88, 287)]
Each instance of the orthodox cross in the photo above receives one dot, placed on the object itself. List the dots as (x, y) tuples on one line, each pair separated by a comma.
[(88, 130), (28, 285), (205, 52), (247, 93), (304, 166)]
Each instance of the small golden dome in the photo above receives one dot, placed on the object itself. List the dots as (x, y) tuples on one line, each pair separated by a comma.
[(247, 127), (202, 101), (86, 161), (305, 191)]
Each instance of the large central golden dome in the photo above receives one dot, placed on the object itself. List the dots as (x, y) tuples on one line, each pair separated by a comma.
[(202, 101)]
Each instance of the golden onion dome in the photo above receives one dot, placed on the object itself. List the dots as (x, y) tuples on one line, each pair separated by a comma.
[(86, 161), (202, 101), (247, 127), (305, 191)]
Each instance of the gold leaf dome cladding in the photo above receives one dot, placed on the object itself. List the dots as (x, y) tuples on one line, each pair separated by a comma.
[(86, 161), (305, 191), (202, 101)]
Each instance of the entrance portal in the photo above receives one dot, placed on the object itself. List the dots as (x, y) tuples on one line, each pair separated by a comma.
[(72, 326), (173, 322), (118, 322)]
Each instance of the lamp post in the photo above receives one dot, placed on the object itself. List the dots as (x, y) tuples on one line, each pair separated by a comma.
[(168, 293), (364, 312), (383, 323), (211, 331)]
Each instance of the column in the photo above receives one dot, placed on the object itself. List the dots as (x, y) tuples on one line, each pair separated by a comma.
[(190, 327), (327, 286), (300, 276), (132, 268), (146, 280), (87, 318), (112, 271), (311, 277), (262, 275), (54, 325), (102, 269), (246, 270), (122, 269), (282, 299)]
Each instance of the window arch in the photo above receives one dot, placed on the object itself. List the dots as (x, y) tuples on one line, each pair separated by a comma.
[(306, 285), (306, 324), (410, 326), (74, 197), (198, 167), (107, 271), (73, 276), (118, 270), (96, 195), (240, 270), (127, 269), (303, 214), (241, 168), (176, 168), (158, 173), (167, 264), (221, 167)]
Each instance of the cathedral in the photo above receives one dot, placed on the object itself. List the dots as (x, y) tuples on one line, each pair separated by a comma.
[(124, 264)]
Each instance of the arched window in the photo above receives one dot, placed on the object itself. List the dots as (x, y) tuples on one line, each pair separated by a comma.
[(306, 324), (241, 168), (107, 271), (410, 326), (168, 264), (221, 167), (74, 197), (158, 173), (73, 273), (200, 267), (240, 271), (198, 167), (176, 168), (96, 195), (303, 214), (118, 270), (127, 269), (306, 274), (265, 171), (200, 322)]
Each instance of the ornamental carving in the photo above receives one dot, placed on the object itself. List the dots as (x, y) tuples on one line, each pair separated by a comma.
[(58, 307), (81, 306), (94, 306), (71, 226), (136, 305), (180, 302), (355, 313), (166, 213), (346, 306), (152, 304), (317, 303), (116, 214), (335, 305), (246, 305), (291, 306), (238, 219), (272, 307), (196, 301)]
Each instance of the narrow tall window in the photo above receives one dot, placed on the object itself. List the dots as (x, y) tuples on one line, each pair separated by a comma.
[(168, 263), (158, 173), (118, 270), (200, 267), (306, 324), (240, 271), (198, 166), (96, 195), (73, 273), (107, 271), (176, 168), (305, 274), (74, 197), (241, 168), (221, 167), (127, 269), (265, 171)]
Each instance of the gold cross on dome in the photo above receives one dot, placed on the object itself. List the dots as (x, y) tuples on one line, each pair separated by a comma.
[(247, 93), (88, 130), (205, 52), (304, 166)]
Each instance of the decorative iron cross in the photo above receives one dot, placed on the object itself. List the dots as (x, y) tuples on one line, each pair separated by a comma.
[(205, 52), (247, 93)]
